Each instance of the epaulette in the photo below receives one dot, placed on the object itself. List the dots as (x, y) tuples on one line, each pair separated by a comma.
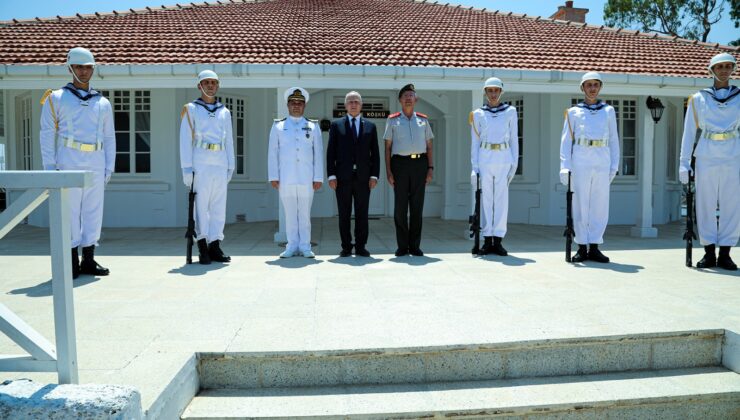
[(277, 120), (394, 115), (46, 95), (312, 120), (419, 114)]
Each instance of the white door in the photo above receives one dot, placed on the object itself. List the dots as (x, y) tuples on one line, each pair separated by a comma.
[(378, 196)]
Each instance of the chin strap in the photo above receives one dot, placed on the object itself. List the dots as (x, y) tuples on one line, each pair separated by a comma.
[(200, 88)]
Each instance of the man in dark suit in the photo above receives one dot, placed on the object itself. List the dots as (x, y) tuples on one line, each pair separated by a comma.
[(353, 166)]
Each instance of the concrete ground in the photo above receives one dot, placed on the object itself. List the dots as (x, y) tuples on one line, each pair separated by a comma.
[(139, 325)]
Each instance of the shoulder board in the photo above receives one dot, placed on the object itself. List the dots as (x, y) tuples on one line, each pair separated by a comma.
[(394, 115), (277, 120), (46, 96), (470, 118), (312, 120), (419, 114)]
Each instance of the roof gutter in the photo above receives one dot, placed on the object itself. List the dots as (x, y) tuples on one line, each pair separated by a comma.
[(344, 76)]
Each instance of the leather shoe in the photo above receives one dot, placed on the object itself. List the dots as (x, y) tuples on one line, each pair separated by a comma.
[(581, 255), (595, 255), (362, 252), (345, 253), (401, 252), (416, 252)]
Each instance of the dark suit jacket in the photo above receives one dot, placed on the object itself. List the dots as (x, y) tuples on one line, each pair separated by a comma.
[(343, 151)]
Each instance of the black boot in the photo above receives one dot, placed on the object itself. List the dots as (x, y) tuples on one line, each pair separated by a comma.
[(75, 263), (709, 260), (214, 251), (487, 245), (724, 260), (595, 255), (203, 255), (581, 255), (88, 264), (498, 249)]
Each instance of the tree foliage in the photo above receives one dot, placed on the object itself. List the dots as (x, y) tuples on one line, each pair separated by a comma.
[(692, 19)]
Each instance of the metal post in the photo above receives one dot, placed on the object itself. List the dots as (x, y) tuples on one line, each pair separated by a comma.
[(61, 272)]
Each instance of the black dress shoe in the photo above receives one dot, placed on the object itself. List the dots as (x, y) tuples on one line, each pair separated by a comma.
[(709, 260), (724, 261), (595, 255), (345, 253), (416, 252), (362, 252), (497, 248), (581, 255), (401, 252)]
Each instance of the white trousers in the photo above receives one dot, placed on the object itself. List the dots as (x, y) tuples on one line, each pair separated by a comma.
[(590, 188), (86, 211), (494, 198), (210, 185), (718, 184), (297, 200)]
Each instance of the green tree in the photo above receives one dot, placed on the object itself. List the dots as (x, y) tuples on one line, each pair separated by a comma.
[(692, 19), (735, 16)]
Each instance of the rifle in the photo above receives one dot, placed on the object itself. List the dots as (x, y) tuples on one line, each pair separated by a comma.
[(689, 235), (190, 234), (569, 231), (474, 219)]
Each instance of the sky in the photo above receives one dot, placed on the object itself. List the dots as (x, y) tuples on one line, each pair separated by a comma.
[(723, 32)]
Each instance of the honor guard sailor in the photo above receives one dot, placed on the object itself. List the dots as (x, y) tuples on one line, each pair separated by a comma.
[(715, 113), (77, 134), (589, 150), (295, 167), (494, 155), (207, 162), (409, 167)]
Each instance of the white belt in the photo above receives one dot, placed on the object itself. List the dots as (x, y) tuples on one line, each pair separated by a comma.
[(721, 136), (82, 147), (213, 147), (592, 142), (494, 146)]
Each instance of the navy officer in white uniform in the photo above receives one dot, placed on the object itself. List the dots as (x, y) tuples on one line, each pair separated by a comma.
[(589, 150), (295, 167), (207, 162), (714, 114), (77, 134)]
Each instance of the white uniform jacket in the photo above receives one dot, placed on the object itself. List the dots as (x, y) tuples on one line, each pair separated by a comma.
[(77, 131), (296, 152), (596, 138), (718, 114), (206, 136), (494, 126)]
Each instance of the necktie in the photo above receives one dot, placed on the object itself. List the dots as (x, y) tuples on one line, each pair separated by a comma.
[(354, 129)]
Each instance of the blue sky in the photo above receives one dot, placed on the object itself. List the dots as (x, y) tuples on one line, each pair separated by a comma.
[(724, 32)]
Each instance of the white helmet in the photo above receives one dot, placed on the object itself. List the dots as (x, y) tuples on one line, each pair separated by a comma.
[(721, 58), (494, 82), (80, 56), (207, 74), (592, 75)]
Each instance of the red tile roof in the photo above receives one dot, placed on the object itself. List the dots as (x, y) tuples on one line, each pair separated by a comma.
[(367, 32)]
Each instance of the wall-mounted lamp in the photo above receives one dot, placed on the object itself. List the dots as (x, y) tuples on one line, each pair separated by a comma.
[(656, 108)]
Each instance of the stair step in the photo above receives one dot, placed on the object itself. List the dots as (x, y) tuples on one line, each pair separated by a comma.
[(473, 362), (706, 393)]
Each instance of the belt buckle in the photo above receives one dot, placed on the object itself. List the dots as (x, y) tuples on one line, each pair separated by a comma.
[(85, 147), (414, 156), (495, 146)]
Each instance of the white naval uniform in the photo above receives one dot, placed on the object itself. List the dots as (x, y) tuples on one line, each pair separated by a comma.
[(593, 161), (77, 134), (295, 159), (208, 148), (717, 163), (494, 154)]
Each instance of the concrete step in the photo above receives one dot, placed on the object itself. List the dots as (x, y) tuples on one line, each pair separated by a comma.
[(525, 359), (694, 393)]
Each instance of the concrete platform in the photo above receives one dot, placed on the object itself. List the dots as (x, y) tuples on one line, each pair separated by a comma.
[(142, 325)]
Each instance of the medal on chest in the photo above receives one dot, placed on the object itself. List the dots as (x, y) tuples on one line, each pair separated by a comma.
[(307, 129)]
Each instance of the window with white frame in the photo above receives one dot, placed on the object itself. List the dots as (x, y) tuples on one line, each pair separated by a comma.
[(237, 107), (133, 126), (626, 112)]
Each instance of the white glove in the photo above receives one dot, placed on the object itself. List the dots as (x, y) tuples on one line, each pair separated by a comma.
[(511, 174), (187, 176), (683, 174), (107, 176), (474, 178), (229, 174), (564, 176), (611, 176)]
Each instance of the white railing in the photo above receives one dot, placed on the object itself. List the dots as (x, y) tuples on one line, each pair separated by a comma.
[(42, 355)]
